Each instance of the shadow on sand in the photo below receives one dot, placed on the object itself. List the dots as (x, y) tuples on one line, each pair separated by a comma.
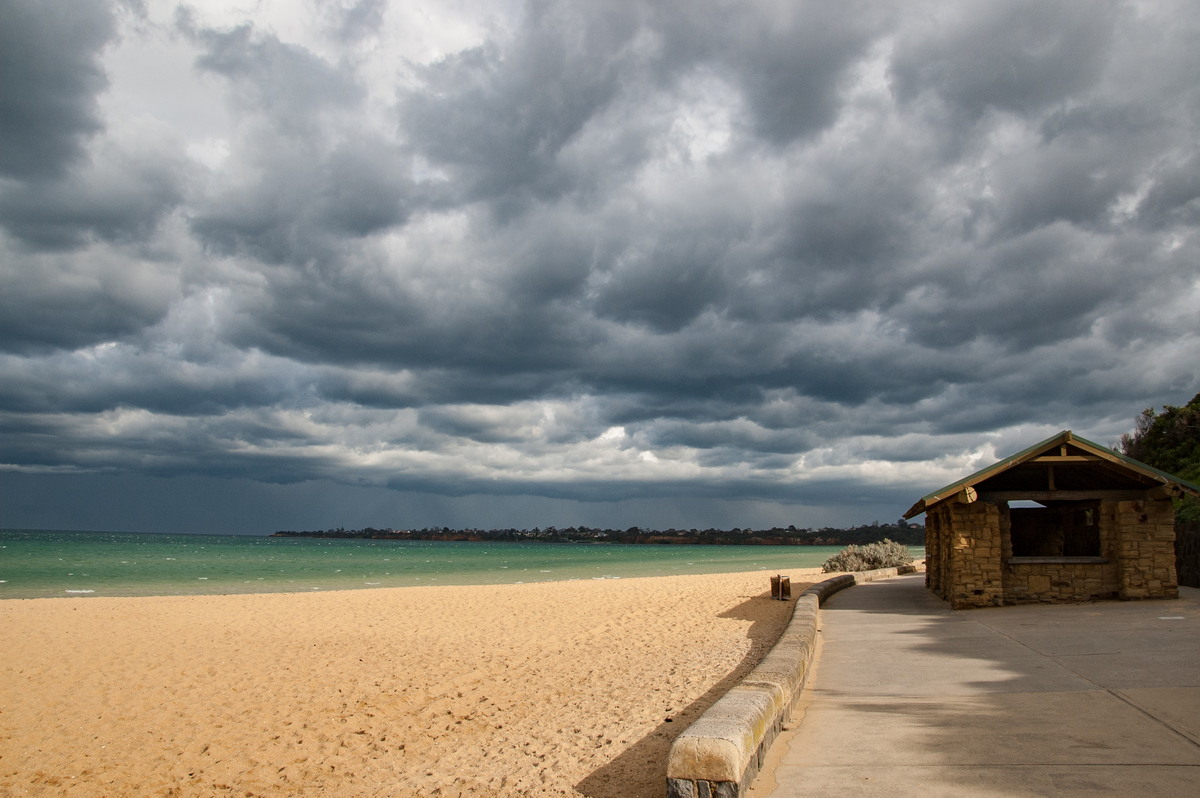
[(641, 769)]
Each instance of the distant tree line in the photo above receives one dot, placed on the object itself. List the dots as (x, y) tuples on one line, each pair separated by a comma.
[(900, 531)]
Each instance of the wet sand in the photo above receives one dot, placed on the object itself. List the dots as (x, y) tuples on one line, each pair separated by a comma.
[(562, 688)]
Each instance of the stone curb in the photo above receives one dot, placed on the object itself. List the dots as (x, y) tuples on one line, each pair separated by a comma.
[(719, 755)]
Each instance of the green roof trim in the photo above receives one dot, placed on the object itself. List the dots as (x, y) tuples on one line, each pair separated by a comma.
[(1066, 436)]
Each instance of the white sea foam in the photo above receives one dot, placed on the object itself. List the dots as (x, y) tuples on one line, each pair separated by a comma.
[(79, 591)]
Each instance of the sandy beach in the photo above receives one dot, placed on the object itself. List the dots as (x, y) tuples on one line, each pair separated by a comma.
[(564, 688)]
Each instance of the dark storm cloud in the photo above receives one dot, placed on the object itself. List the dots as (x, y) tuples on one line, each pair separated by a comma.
[(52, 301), (67, 185), (1016, 56), (49, 78), (594, 254), (122, 197), (303, 203), (304, 174), (1175, 198), (499, 119), (289, 84), (792, 60), (1038, 289)]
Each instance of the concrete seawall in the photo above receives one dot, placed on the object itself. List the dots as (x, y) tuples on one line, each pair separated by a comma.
[(719, 755)]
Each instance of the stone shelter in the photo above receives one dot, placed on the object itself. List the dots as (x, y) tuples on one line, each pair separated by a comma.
[(1088, 523)]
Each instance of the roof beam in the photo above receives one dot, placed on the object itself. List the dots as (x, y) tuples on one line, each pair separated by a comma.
[(1067, 458), (1074, 495)]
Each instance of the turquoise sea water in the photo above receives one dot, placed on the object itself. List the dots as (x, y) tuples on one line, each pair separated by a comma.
[(39, 564)]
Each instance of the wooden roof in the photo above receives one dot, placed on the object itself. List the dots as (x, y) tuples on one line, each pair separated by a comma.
[(1064, 467)]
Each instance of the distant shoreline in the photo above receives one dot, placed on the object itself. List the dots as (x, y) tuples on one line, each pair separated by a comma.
[(907, 534)]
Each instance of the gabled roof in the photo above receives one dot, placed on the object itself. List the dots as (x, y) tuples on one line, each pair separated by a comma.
[(1079, 465)]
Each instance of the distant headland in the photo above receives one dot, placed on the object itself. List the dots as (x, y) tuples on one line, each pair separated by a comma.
[(900, 531)]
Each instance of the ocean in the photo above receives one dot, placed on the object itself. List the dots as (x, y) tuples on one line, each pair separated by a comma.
[(42, 563)]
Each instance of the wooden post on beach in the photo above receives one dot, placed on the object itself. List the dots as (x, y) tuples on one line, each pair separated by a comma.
[(781, 587)]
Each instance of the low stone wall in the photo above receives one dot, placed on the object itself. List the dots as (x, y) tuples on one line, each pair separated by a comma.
[(719, 755), (1059, 580)]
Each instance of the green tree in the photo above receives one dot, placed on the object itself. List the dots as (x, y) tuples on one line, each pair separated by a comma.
[(1170, 441)]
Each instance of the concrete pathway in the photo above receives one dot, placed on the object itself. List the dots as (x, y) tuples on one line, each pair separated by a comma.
[(910, 698)]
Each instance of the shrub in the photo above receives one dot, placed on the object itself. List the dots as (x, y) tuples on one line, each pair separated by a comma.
[(884, 554)]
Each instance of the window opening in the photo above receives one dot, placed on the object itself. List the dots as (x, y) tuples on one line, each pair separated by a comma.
[(1065, 530)]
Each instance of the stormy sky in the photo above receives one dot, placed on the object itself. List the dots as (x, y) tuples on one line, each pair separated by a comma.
[(291, 264)]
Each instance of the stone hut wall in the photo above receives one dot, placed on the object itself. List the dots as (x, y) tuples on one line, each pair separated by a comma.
[(969, 557), (1026, 582), (1065, 581), (1146, 549), (936, 565), (969, 546)]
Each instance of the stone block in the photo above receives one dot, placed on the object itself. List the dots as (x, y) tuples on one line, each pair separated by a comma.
[(681, 788), (1039, 583)]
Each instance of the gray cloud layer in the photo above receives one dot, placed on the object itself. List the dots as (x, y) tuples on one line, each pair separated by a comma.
[(804, 256)]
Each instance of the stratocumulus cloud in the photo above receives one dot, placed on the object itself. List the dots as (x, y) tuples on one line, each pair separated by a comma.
[(794, 261)]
